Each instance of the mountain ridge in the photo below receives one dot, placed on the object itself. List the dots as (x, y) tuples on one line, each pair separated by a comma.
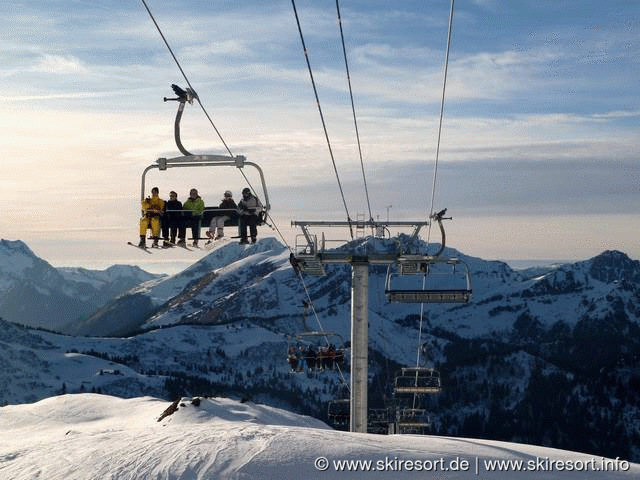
[(542, 356), (34, 293)]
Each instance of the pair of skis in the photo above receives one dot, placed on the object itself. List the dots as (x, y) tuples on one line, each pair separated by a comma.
[(209, 244), (148, 249)]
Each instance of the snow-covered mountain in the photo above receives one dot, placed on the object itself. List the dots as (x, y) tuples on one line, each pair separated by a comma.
[(258, 283), (192, 296), (34, 293), (95, 436), (541, 356)]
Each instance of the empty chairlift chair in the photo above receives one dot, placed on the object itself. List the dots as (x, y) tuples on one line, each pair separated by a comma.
[(417, 381), (425, 279), (412, 421), (338, 413)]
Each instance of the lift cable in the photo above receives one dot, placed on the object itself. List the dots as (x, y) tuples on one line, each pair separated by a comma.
[(324, 126), (185, 77), (353, 109), (444, 88), (435, 172)]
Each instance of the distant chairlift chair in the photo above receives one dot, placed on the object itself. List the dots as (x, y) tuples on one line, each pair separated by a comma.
[(316, 351), (416, 278), (417, 380)]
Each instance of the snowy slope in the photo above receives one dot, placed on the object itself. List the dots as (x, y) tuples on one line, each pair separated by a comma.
[(94, 436), (190, 296), (36, 364)]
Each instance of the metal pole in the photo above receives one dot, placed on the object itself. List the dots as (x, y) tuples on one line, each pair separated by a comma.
[(359, 346)]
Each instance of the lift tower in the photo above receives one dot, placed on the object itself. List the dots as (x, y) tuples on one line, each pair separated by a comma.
[(311, 258)]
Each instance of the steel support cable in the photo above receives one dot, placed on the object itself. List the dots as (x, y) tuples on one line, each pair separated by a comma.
[(185, 77), (324, 126), (444, 89), (424, 280), (435, 174), (353, 109)]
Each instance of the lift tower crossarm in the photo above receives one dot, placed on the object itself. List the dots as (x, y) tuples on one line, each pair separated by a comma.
[(367, 223), (305, 224)]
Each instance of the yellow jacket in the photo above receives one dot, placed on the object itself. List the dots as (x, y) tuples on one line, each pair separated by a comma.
[(152, 207)]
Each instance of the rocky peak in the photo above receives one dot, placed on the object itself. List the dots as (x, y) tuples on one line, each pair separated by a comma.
[(614, 266)]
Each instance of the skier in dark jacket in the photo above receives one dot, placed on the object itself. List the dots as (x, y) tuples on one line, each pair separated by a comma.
[(172, 219), (249, 208)]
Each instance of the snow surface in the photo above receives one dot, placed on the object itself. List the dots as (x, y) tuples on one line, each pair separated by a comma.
[(96, 436)]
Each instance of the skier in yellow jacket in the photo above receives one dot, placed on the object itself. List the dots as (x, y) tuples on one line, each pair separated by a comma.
[(152, 208)]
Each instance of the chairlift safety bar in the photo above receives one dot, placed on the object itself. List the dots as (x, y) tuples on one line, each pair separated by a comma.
[(238, 161)]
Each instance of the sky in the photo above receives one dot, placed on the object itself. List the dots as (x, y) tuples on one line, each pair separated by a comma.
[(538, 153)]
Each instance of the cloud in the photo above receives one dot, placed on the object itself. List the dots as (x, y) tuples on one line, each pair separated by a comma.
[(60, 96), (60, 65), (225, 47), (509, 187)]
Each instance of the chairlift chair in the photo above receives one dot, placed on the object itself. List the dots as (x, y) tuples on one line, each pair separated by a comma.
[(412, 421), (339, 412), (189, 160), (427, 279), (417, 381), (378, 420), (315, 351)]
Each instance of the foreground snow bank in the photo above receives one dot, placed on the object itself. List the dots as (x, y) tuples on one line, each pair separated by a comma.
[(96, 436)]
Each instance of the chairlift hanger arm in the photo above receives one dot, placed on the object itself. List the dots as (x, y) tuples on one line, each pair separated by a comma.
[(438, 217), (183, 96)]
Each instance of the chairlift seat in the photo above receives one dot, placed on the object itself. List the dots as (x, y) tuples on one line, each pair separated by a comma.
[(428, 296)]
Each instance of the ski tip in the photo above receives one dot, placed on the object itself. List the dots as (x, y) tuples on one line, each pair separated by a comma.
[(144, 249)]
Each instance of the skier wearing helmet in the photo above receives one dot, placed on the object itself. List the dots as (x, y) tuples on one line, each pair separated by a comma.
[(193, 208), (217, 223), (249, 208)]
